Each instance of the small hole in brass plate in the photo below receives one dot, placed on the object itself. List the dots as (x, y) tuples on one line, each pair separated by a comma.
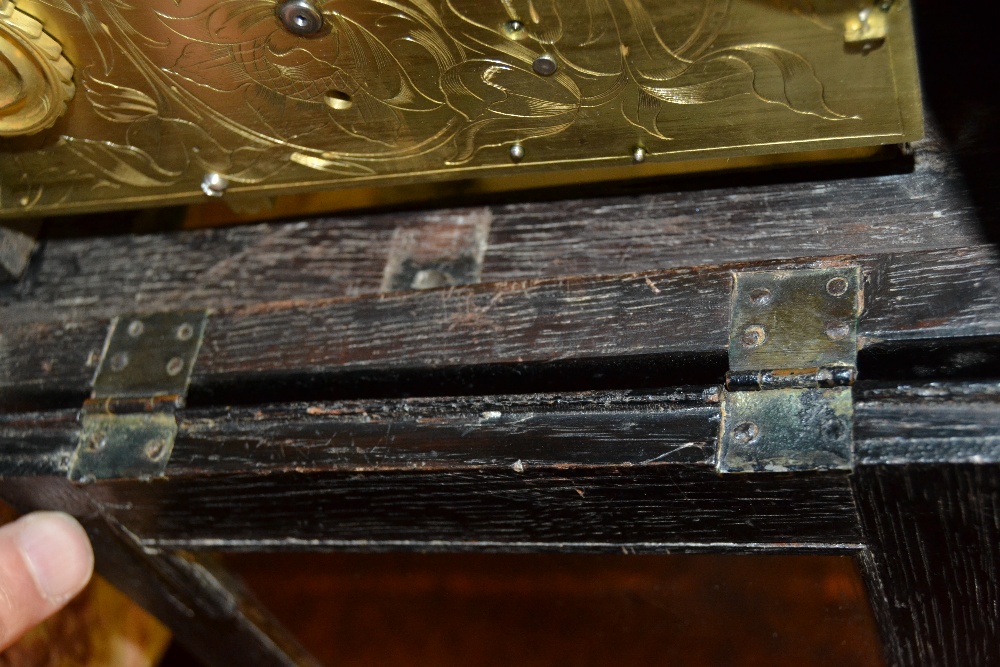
[(338, 99)]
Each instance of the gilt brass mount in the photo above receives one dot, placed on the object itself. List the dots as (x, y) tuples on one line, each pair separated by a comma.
[(36, 81), (179, 100)]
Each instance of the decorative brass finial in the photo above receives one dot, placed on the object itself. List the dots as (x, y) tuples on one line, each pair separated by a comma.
[(36, 80)]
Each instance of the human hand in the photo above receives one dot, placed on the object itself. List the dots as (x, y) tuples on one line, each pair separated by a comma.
[(45, 560)]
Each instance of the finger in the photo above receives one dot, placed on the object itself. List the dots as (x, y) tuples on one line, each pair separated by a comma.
[(45, 560)]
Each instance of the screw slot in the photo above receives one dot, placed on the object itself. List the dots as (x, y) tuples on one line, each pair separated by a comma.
[(745, 433), (836, 286)]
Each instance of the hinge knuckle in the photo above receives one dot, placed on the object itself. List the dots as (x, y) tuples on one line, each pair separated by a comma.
[(128, 425), (787, 402)]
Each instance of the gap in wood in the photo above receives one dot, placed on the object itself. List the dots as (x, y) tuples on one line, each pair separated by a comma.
[(639, 373)]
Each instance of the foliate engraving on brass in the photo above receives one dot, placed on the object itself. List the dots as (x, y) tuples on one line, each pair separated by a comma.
[(36, 81), (410, 89)]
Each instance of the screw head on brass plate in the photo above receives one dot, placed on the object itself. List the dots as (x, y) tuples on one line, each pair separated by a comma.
[(300, 17)]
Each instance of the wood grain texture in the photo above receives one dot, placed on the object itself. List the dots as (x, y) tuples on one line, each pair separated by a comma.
[(927, 486), (933, 535), (210, 611), (926, 295), (537, 431), (18, 240)]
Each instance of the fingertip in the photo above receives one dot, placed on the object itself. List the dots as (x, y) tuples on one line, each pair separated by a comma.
[(57, 552)]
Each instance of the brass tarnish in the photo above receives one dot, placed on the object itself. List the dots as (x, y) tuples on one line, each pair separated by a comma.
[(792, 360), (786, 429), (36, 80), (410, 92), (150, 355), (128, 425), (794, 319)]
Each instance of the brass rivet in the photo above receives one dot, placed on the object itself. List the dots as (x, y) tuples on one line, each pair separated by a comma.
[(214, 184), (544, 65), (513, 29)]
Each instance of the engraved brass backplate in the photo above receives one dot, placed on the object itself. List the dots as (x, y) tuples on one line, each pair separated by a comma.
[(174, 95)]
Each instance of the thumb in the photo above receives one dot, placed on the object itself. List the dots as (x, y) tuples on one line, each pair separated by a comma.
[(45, 560)]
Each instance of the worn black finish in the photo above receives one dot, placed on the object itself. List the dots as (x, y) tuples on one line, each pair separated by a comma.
[(933, 560), (928, 492)]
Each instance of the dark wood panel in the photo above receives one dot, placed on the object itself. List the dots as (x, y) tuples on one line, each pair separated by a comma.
[(642, 509), (933, 533), (910, 296), (557, 430)]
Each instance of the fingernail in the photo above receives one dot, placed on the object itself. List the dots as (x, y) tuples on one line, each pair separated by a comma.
[(57, 552)]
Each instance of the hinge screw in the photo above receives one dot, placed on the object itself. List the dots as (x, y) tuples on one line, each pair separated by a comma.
[(135, 328), (119, 361), (745, 433), (175, 366), (760, 296), (753, 336), (185, 331), (155, 448)]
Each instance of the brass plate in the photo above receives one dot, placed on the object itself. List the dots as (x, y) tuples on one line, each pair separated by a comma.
[(168, 91), (794, 319)]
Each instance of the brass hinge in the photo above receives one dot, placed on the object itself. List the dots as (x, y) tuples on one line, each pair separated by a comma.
[(787, 403), (128, 424)]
